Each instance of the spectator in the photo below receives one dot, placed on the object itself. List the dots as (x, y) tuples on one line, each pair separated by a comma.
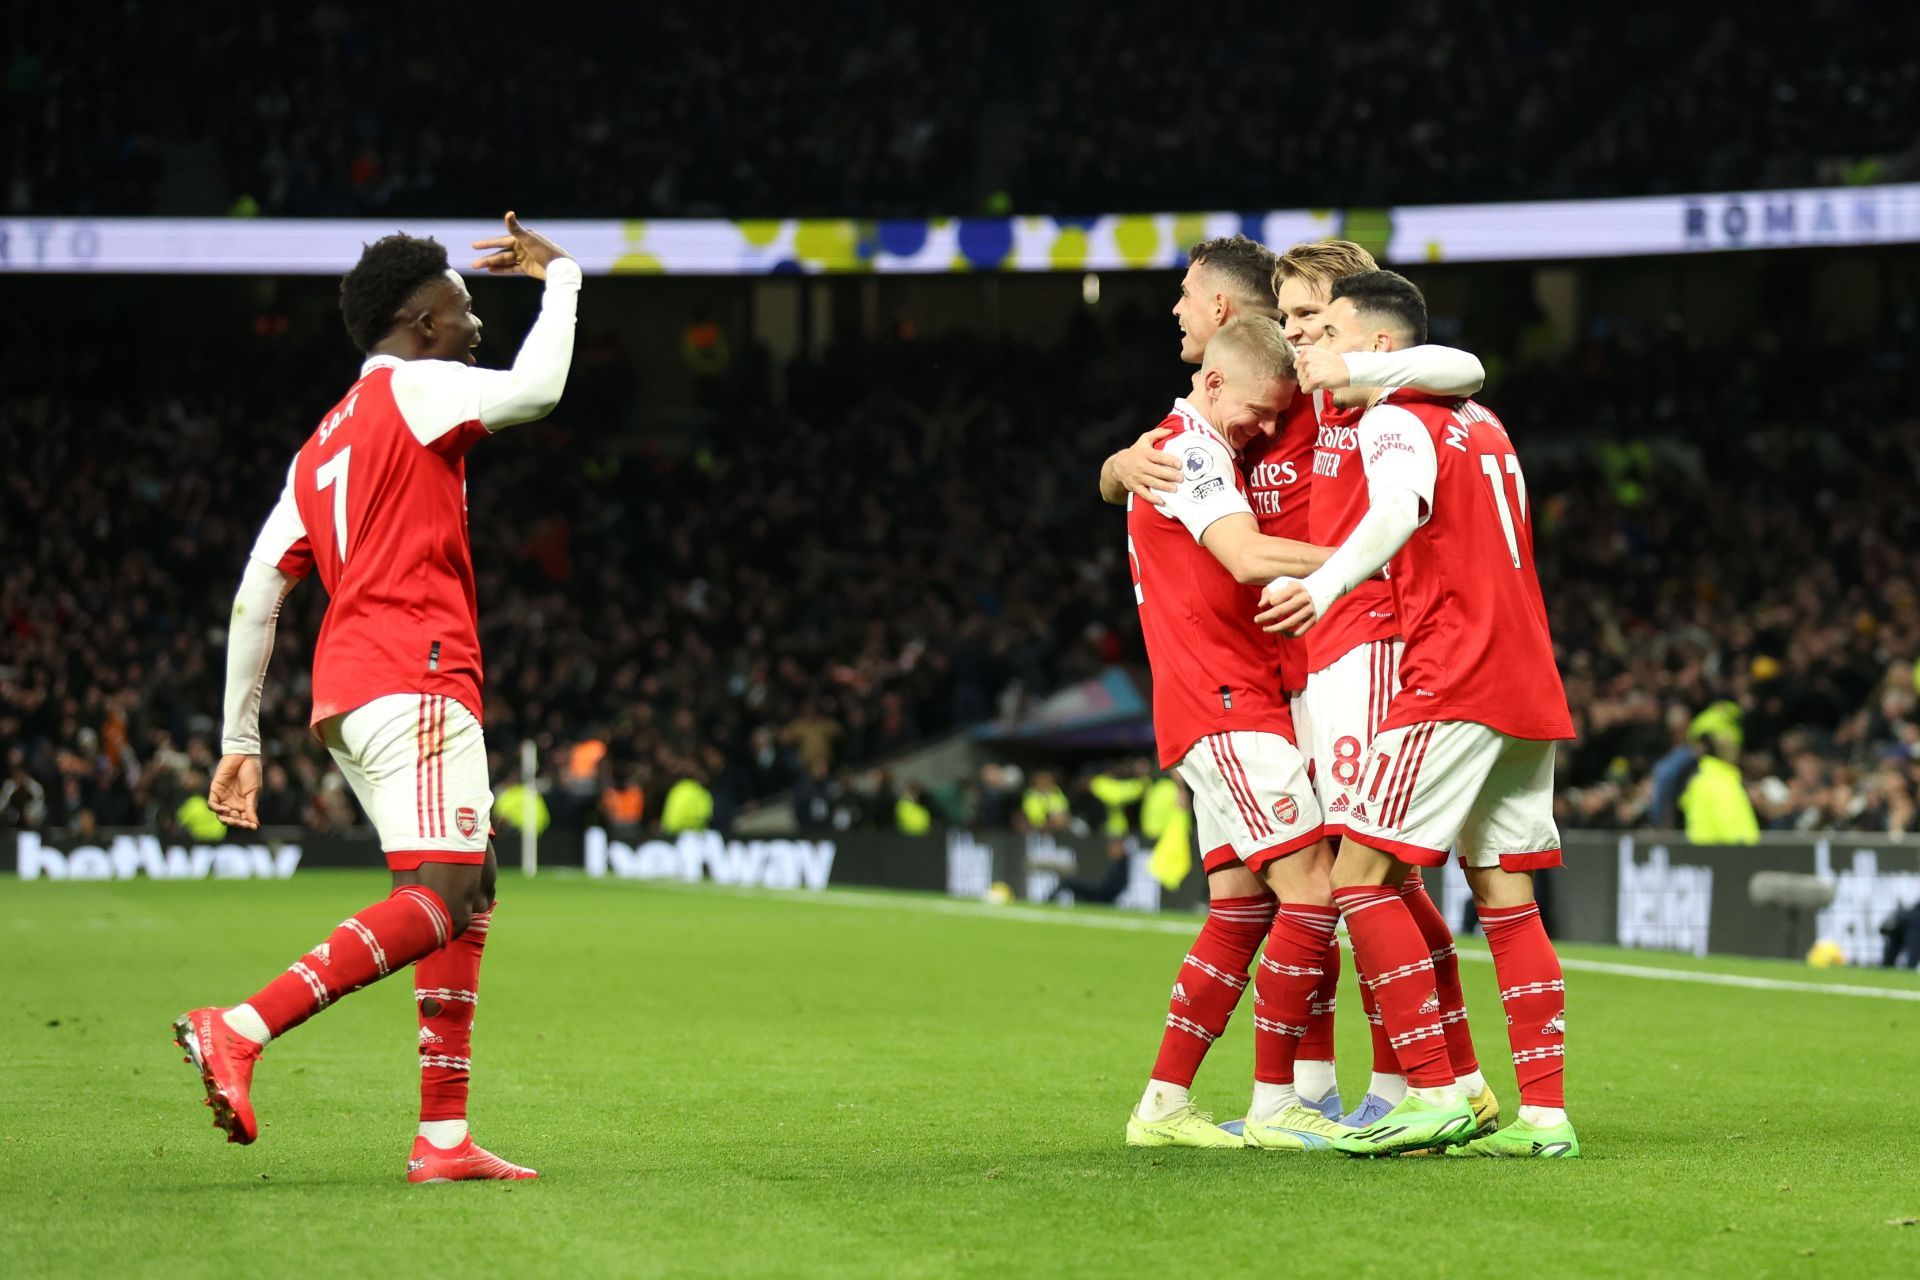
[(930, 109), (1109, 887), (1715, 801), (911, 816), (1044, 806), (520, 806), (688, 806), (624, 802)]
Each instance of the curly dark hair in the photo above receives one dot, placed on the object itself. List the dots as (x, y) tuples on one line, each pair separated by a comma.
[(389, 271), (1244, 266)]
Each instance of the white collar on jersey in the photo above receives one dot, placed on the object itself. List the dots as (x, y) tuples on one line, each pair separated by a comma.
[(380, 362), (1185, 408)]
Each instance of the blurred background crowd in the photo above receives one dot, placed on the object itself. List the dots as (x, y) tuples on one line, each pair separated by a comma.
[(767, 585), (876, 108), (908, 542)]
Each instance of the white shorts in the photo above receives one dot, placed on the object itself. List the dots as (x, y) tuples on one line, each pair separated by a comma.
[(1428, 788), (417, 762), (1251, 799), (1345, 703)]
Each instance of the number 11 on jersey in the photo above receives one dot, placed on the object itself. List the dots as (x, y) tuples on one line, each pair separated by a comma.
[(334, 472), (1491, 465)]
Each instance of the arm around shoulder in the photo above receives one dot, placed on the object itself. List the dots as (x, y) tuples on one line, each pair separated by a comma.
[(1441, 371)]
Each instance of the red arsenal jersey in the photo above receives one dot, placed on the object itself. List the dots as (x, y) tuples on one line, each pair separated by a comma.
[(1478, 647), (1277, 470), (1339, 500), (1213, 669), (378, 505)]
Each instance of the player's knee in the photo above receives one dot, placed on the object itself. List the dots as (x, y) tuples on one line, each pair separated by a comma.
[(1496, 887), (460, 908)]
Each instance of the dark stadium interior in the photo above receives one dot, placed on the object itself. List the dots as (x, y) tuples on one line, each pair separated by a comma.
[(781, 650), (733, 575), (883, 109)]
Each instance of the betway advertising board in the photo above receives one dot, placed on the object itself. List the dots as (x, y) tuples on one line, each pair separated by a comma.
[(1642, 890), (130, 854)]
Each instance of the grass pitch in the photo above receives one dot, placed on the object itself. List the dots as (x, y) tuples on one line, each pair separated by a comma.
[(857, 1084)]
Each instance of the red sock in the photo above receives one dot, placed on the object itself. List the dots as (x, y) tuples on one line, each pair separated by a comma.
[(1391, 955), (1385, 1061), (1209, 984), (446, 986), (1290, 972), (1317, 1044), (1535, 997), (389, 935), (1446, 973)]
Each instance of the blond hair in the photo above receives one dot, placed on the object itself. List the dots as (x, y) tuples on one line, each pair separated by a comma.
[(1321, 262), (1252, 344)]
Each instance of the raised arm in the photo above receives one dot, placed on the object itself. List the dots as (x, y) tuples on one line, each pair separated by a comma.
[(440, 398)]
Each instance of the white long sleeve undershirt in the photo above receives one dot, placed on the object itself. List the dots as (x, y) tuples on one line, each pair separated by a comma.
[(1443, 371), (256, 611), (435, 396), (1392, 516)]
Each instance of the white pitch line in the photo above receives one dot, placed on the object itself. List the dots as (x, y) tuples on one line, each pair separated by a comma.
[(1143, 924)]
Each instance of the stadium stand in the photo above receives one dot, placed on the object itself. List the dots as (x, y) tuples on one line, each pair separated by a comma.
[(887, 110), (1730, 551)]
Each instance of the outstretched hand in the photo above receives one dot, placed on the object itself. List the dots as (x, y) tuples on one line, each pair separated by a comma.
[(520, 252), (234, 796)]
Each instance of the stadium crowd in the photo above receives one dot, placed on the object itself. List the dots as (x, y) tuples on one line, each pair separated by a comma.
[(899, 551), (875, 109)]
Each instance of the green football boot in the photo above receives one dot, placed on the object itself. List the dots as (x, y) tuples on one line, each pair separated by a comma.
[(1296, 1128), (1412, 1126), (1187, 1127), (1520, 1139), (1486, 1118)]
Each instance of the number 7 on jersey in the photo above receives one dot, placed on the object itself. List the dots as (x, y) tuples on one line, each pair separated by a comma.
[(334, 472)]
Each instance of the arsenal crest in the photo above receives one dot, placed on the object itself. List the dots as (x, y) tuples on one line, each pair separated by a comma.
[(467, 820), (1286, 810)]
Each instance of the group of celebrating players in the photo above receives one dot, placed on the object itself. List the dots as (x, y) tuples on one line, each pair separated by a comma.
[(1336, 585), (1332, 555)]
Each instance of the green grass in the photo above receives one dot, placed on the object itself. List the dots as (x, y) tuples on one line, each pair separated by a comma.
[(725, 1084)]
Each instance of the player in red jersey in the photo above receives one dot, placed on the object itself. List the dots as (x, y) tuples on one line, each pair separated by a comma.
[(1354, 653), (1464, 756), (376, 502), (1236, 277), (1228, 278), (1221, 721)]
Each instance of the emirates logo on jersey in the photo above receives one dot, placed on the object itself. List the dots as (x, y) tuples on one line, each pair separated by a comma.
[(467, 820), (1287, 810)]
